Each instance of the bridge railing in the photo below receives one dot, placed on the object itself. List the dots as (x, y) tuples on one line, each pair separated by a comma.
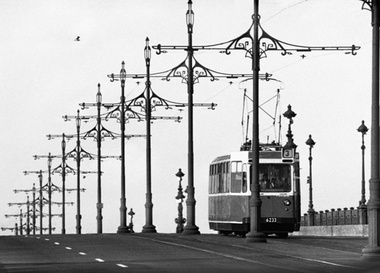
[(345, 216)]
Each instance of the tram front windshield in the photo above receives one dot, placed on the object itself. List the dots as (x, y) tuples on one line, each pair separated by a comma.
[(274, 177)]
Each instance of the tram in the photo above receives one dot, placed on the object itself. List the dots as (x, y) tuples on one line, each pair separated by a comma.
[(229, 191)]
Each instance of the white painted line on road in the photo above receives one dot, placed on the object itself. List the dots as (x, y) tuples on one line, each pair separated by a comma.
[(56, 243), (122, 265), (220, 254), (99, 260), (38, 237), (308, 259), (47, 239), (69, 248), (82, 253)]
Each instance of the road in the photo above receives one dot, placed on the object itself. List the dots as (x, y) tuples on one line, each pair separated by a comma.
[(176, 253)]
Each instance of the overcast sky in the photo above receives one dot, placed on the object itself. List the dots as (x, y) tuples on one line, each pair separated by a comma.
[(45, 74)]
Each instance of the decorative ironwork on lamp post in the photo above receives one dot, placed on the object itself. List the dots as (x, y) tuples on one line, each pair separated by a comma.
[(310, 142)]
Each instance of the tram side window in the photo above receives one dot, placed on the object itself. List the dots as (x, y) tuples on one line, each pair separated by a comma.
[(244, 173), (236, 177), (214, 179), (219, 177)]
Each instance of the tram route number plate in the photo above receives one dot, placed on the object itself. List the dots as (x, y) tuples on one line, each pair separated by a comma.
[(271, 220)]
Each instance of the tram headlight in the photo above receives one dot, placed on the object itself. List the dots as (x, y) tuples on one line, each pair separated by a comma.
[(287, 202)]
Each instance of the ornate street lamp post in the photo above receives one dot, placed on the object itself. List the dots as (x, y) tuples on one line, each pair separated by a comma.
[(255, 234), (27, 215), (123, 228), (180, 220), (148, 227), (363, 130), (63, 145), (21, 225), (190, 227), (372, 251), (362, 203), (78, 159), (99, 204), (34, 209), (41, 199), (49, 163), (310, 142)]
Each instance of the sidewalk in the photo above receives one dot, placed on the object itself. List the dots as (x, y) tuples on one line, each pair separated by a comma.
[(336, 230)]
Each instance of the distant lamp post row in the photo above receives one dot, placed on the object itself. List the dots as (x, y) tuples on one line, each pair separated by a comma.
[(33, 190), (49, 188), (362, 203)]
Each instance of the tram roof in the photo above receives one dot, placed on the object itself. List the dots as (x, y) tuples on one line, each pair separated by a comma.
[(267, 154)]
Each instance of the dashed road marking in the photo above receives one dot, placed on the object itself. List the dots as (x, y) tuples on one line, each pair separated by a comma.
[(99, 260), (82, 253), (69, 248), (122, 265), (56, 243), (47, 239)]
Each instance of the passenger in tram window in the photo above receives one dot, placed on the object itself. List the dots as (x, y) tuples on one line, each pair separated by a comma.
[(264, 182), (272, 183), (284, 184)]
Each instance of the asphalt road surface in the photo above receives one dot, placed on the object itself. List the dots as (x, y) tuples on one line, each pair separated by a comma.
[(177, 253)]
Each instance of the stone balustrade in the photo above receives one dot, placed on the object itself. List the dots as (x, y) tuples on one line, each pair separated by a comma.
[(345, 216)]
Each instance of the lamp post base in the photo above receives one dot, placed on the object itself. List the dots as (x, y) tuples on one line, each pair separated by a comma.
[(149, 229), (255, 237), (123, 229), (191, 230), (371, 254), (310, 215)]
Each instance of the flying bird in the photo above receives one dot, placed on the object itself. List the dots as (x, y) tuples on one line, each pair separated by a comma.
[(77, 39)]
